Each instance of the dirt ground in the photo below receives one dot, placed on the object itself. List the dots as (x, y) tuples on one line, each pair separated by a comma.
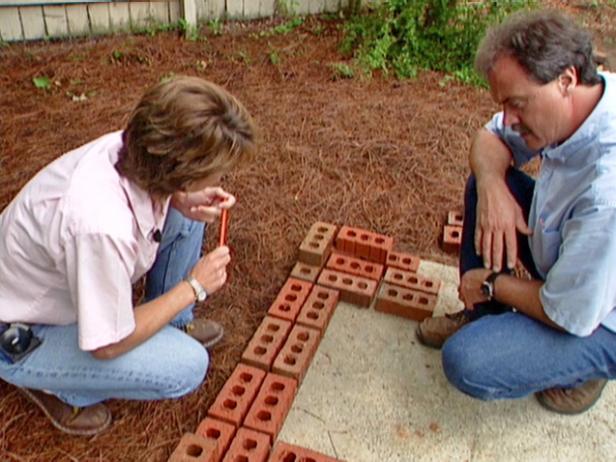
[(378, 153)]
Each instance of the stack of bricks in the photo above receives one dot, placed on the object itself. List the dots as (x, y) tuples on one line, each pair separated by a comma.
[(350, 264), (452, 231)]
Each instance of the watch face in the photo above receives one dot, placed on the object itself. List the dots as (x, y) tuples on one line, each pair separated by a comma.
[(201, 296), (486, 289)]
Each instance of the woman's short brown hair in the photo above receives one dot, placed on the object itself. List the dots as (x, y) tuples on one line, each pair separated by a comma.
[(184, 130)]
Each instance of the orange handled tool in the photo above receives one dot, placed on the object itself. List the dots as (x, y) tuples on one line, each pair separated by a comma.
[(224, 226)]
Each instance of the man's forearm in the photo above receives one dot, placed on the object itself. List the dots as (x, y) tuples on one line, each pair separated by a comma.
[(489, 157)]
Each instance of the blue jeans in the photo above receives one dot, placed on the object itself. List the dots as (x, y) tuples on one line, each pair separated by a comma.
[(504, 354), (167, 365)]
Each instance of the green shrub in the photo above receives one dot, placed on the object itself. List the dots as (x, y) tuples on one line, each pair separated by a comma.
[(405, 36)]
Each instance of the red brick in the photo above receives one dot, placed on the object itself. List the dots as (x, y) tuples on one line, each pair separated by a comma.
[(355, 266), (353, 289), (455, 218), (403, 261), (296, 354), (452, 238), (266, 342), (290, 299), (404, 302), (194, 448), (218, 432), (317, 244), (318, 308), (248, 446), (306, 272), (271, 405), (237, 395), (285, 452), (364, 244), (412, 281)]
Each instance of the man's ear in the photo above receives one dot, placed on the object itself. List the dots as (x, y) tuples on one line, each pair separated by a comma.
[(567, 81)]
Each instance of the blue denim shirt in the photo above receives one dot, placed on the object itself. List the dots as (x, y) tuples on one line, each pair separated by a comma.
[(573, 218)]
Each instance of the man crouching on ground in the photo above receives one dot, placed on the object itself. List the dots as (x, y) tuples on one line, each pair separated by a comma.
[(91, 224), (555, 333)]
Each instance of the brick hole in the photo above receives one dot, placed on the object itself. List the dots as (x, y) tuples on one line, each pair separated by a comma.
[(340, 261), (277, 386), (406, 261), (249, 444), (413, 280), (429, 284), (212, 433), (241, 459), (297, 348), (314, 245), (322, 229), (230, 404), (290, 457), (397, 276), (260, 351), (266, 338), (407, 297), (303, 336), (362, 285), (351, 233), (304, 270), (273, 327), (290, 297), (238, 390), (392, 257), (308, 459), (423, 300), (313, 315), (194, 451), (245, 377), (318, 305), (284, 307), (290, 360), (271, 400), (347, 281), (323, 295), (459, 216), (455, 233), (319, 237), (369, 269), (392, 293), (354, 265), (364, 237), (379, 240), (296, 287), (264, 416), (332, 277)]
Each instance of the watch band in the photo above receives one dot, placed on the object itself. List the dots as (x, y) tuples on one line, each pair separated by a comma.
[(488, 286), (200, 293)]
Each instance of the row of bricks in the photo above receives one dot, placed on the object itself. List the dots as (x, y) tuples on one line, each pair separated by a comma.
[(247, 446), (408, 303)]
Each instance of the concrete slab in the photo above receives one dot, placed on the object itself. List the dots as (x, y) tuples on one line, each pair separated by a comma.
[(373, 394)]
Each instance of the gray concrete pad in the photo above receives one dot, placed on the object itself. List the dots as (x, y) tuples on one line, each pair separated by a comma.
[(373, 394)]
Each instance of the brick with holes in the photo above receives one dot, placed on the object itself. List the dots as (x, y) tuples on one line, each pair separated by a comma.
[(364, 244), (285, 452), (452, 238), (194, 448), (272, 404), (318, 308), (266, 342), (403, 261), (296, 354), (290, 299), (355, 266), (317, 244), (455, 218), (248, 446), (306, 272), (405, 302), (412, 281), (219, 432), (236, 396), (353, 289)]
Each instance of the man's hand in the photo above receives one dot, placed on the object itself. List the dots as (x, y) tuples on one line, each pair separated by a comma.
[(211, 270), (470, 287), (204, 205), (498, 218)]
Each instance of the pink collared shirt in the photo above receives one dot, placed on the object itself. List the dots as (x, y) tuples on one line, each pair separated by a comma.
[(74, 240)]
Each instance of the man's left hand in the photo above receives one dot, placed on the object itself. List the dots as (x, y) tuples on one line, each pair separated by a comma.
[(204, 205), (470, 287)]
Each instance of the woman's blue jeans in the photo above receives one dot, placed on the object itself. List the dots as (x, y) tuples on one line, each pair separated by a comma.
[(506, 354), (168, 365)]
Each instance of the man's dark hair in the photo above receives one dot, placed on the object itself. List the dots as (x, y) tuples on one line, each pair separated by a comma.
[(544, 43)]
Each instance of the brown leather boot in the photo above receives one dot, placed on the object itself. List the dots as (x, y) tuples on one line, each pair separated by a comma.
[(72, 420), (572, 401), (432, 332), (206, 332)]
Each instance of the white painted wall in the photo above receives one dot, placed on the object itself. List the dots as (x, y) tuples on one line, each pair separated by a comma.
[(37, 19)]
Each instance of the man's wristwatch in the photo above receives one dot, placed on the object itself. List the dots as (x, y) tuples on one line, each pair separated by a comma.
[(200, 293), (487, 286)]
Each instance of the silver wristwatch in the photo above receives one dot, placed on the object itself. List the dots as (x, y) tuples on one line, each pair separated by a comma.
[(200, 293)]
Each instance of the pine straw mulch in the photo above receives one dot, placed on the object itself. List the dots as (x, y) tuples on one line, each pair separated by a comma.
[(380, 154)]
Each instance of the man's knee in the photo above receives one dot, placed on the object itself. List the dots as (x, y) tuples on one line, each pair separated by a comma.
[(188, 369)]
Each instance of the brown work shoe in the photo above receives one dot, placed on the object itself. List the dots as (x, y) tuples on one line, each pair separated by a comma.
[(208, 333), (572, 400), (72, 420), (432, 332)]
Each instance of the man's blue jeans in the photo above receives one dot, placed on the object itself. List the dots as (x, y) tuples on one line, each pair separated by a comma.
[(168, 365), (506, 354)]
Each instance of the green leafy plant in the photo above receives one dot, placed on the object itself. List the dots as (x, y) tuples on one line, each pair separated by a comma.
[(42, 83), (274, 57), (406, 36), (342, 71), (215, 26), (190, 32)]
